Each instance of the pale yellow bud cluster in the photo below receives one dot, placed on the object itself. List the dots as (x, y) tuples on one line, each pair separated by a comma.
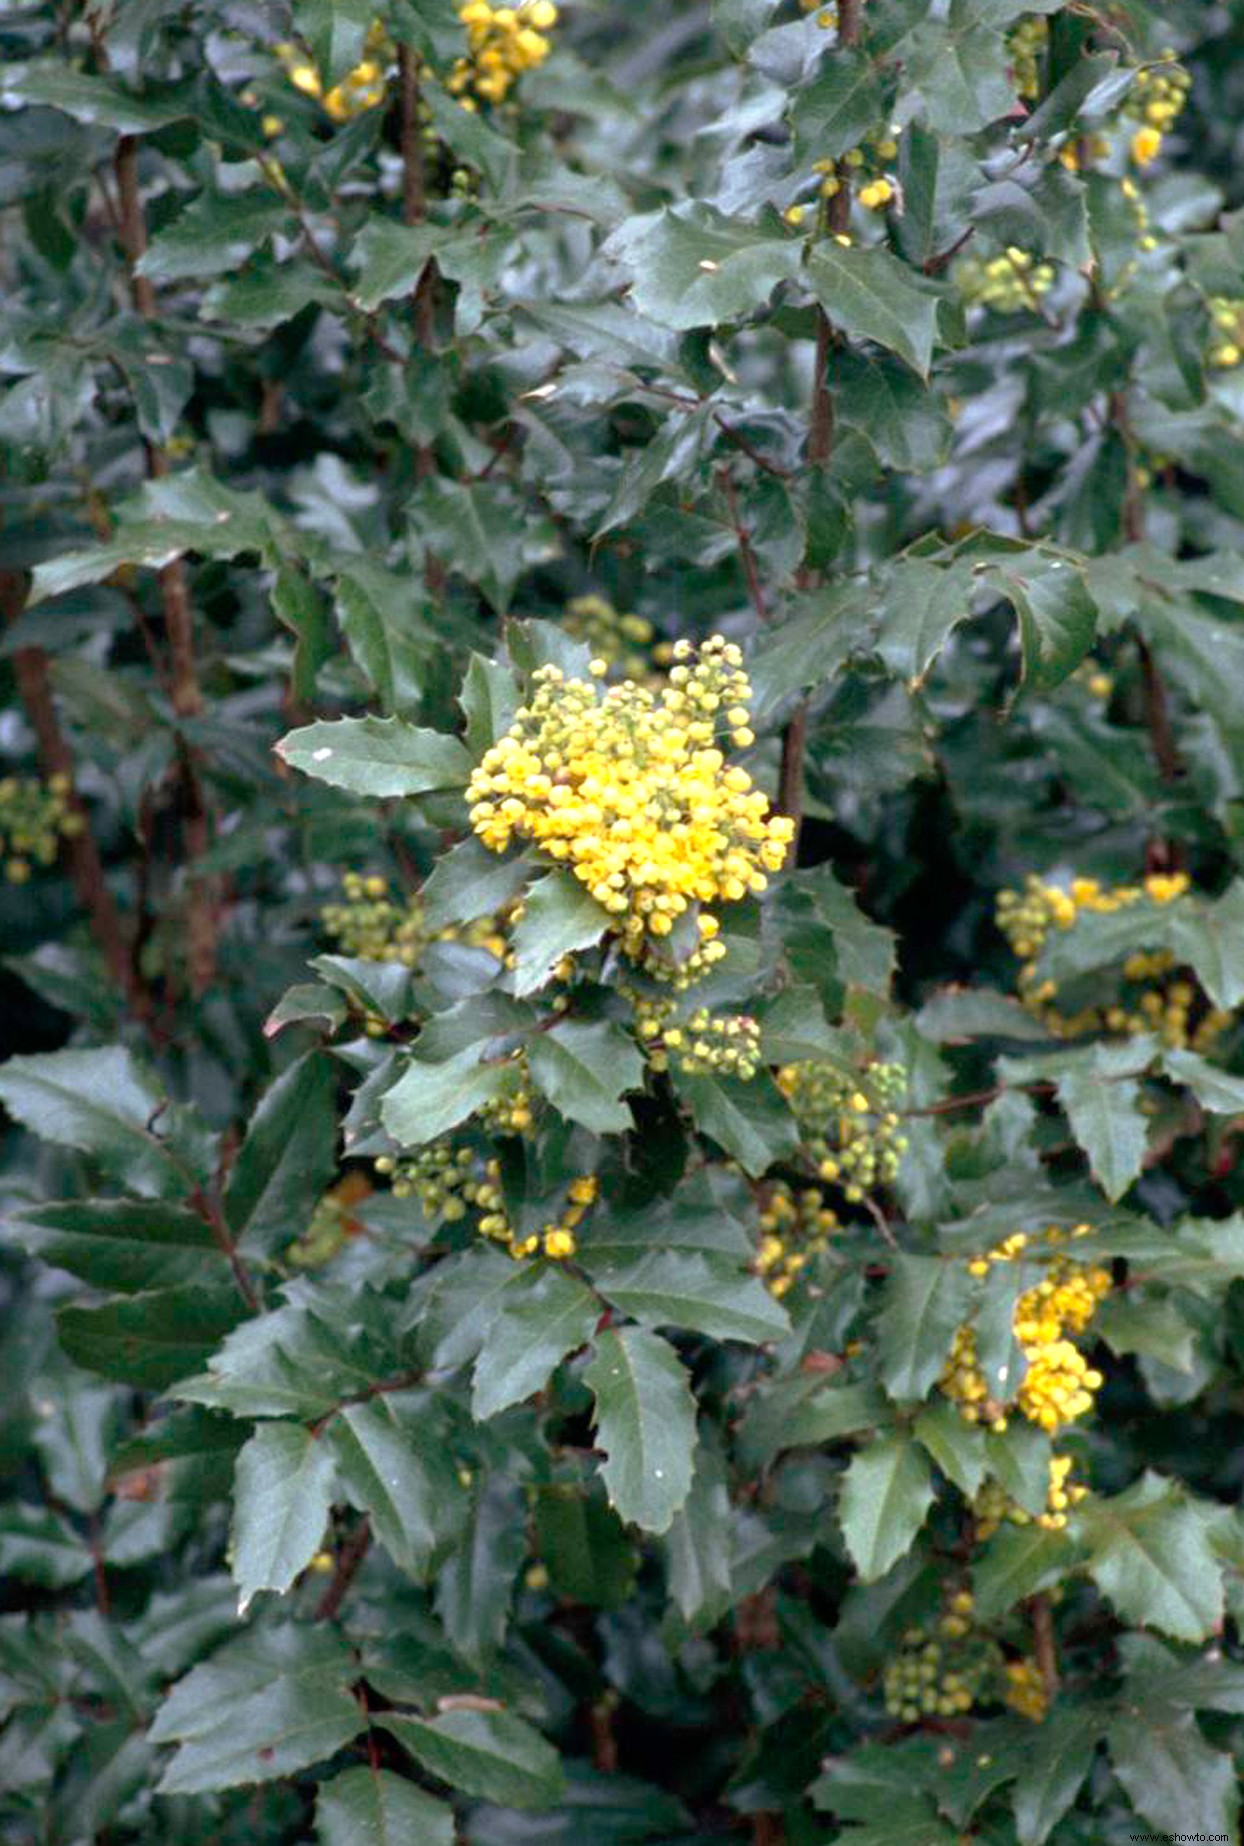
[(363, 88), (1027, 44), (1226, 347), (442, 1178), (628, 788), (451, 1181), (1156, 100), (946, 1669), (1009, 283), (332, 1224), (850, 1128), (35, 817), (1058, 1385), (993, 1505), (503, 42), (371, 924), (624, 642), (1155, 996), (795, 1227)]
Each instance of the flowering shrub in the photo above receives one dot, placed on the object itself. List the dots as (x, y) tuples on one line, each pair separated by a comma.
[(621, 773)]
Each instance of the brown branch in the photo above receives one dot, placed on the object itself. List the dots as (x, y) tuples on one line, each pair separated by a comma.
[(86, 872), (1157, 705), (222, 1236), (604, 1741), (185, 692), (1043, 1643), (349, 1558), (414, 191), (747, 557)]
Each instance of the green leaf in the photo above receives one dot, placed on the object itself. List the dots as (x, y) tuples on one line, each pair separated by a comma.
[(288, 1159), (394, 1466), (1211, 939), (101, 101), (476, 1583), (151, 1339), (872, 296), (689, 266), (886, 1492), (542, 1315), (429, 1099), (489, 698), (213, 236), (377, 756), (104, 1103), (843, 103), (266, 1706), (559, 918), (957, 1446), (374, 1807), (899, 417), (1216, 1090), (489, 1755), (698, 1547), (923, 605), (1018, 1561), (672, 454), (927, 1298), (645, 1422), (118, 1243), (1173, 1777), (692, 1289), (479, 530), (749, 1120), (390, 258), (583, 1544), (469, 882), (866, 952), (283, 1490), (805, 1412), (1057, 616), (584, 1070), (1106, 1120), (1149, 1552), (1059, 1759), (334, 32)]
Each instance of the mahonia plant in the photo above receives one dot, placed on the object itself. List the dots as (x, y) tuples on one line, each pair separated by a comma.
[(622, 798)]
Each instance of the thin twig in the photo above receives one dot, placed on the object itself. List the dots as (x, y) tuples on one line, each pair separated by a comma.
[(747, 557), (1044, 1644), (349, 1558), (222, 1236)]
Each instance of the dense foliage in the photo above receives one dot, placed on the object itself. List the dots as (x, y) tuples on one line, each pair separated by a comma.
[(622, 797)]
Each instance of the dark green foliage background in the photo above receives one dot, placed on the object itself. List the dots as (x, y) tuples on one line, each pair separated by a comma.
[(373, 477)]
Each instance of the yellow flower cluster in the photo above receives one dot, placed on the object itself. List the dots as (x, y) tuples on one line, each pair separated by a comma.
[(35, 817), (362, 88), (851, 1129), (627, 787), (503, 42), (1008, 283), (623, 642), (1226, 347), (1157, 999), (795, 1227), (863, 167), (993, 1504), (1058, 1385), (556, 1239), (1025, 1689), (1156, 101), (826, 16)]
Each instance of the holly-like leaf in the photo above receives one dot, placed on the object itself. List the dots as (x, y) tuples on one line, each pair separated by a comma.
[(542, 1315), (749, 1120), (872, 296), (645, 1423), (429, 1099), (1176, 1780), (489, 1755), (1149, 1551), (559, 918), (690, 266), (283, 1489), (1018, 1561), (289, 1157), (377, 756), (584, 1547), (153, 1338), (693, 1289), (584, 1070), (1059, 1759), (886, 1492), (374, 1807), (120, 1243), (105, 1104), (927, 1298), (394, 1466)]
